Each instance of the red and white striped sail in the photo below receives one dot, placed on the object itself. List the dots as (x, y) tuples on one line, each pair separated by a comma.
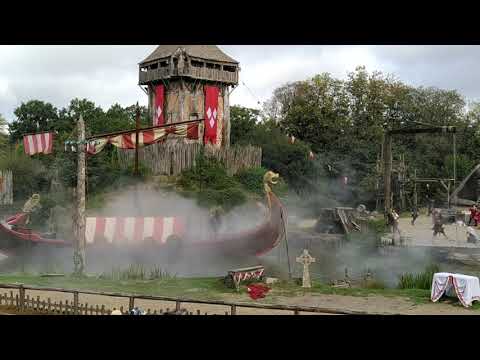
[(145, 137), (132, 229), (38, 143)]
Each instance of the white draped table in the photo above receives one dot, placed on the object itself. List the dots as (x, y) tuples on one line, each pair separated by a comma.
[(465, 287)]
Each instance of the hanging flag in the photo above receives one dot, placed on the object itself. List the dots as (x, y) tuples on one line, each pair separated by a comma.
[(38, 143), (158, 118), (211, 112), (145, 137)]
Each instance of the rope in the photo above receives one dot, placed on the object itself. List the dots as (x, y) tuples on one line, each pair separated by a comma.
[(284, 218), (253, 95)]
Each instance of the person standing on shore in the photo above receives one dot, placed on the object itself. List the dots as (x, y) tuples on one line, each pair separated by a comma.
[(473, 215), (414, 215)]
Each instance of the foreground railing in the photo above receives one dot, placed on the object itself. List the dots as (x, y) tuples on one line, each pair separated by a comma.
[(23, 303)]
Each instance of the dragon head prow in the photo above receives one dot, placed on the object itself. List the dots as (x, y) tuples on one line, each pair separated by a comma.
[(271, 178)]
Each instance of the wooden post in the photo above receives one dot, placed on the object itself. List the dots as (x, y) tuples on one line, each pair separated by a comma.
[(79, 248), (75, 303), (387, 175), (21, 291), (137, 127), (415, 199)]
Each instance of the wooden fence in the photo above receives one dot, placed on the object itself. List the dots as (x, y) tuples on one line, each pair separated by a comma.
[(26, 304), (6, 187), (171, 158)]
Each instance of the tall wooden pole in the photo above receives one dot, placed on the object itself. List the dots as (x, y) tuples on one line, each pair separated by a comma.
[(387, 171), (415, 198), (137, 128), (79, 248), (454, 163)]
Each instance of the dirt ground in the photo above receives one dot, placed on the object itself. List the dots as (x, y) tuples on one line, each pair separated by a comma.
[(421, 234)]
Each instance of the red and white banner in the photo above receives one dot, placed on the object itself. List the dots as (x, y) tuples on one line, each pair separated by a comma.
[(211, 113), (132, 229), (38, 143), (145, 137), (158, 117)]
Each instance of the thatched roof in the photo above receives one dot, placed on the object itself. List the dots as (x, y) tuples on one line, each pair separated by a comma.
[(207, 52)]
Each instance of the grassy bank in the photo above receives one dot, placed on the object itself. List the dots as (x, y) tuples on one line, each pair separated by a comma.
[(198, 288)]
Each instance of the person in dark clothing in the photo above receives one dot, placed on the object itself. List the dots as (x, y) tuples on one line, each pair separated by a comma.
[(473, 216), (414, 215), (431, 206), (215, 219), (438, 225)]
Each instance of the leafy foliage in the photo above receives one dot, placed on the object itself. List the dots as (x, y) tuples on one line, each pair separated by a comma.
[(210, 184), (252, 180), (29, 175)]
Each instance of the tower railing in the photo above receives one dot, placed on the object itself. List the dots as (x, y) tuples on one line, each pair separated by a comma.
[(193, 72)]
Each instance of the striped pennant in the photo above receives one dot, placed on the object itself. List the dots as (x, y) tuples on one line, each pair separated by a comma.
[(132, 230), (38, 143)]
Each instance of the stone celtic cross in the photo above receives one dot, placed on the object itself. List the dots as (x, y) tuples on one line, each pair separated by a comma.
[(306, 260)]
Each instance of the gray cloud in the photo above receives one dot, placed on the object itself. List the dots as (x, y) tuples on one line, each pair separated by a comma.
[(108, 74)]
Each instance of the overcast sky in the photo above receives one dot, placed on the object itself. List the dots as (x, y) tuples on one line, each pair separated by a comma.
[(109, 74)]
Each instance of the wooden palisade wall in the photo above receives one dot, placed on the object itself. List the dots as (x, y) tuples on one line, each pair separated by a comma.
[(6, 187), (171, 158)]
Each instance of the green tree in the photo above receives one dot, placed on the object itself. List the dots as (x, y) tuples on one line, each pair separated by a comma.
[(244, 121), (31, 117), (3, 135)]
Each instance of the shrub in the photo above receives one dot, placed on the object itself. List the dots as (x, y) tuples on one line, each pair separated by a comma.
[(252, 179), (210, 184), (421, 280), (29, 175)]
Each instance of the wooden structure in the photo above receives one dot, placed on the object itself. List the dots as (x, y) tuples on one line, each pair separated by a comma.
[(468, 192), (387, 156), (184, 70), (398, 191), (170, 158), (236, 276), (17, 299), (6, 187)]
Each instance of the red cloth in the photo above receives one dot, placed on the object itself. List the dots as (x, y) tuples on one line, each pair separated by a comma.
[(38, 143), (473, 213), (477, 216), (211, 112), (192, 131), (158, 118), (257, 291)]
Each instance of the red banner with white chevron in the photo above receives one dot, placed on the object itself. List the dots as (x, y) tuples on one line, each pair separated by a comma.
[(211, 113), (158, 116)]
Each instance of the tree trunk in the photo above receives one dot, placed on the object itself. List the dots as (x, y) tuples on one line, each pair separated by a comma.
[(79, 249)]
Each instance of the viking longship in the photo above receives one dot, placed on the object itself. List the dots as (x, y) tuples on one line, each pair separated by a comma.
[(163, 234)]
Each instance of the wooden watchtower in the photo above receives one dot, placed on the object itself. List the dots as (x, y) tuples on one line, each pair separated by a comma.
[(182, 72)]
